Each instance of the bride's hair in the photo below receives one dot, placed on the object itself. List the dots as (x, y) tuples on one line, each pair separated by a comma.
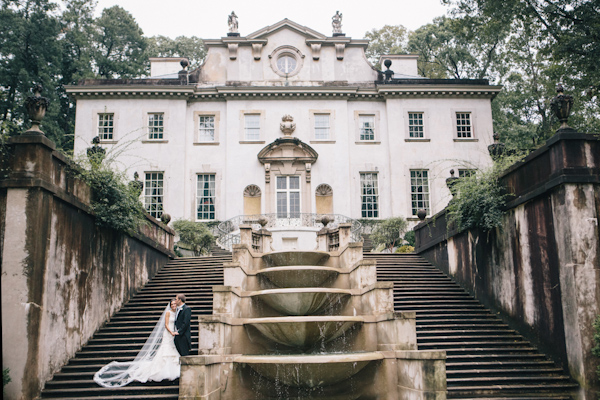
[(117, 374)]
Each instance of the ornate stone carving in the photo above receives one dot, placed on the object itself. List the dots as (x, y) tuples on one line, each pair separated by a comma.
[(256, 50), (324, 190), (339, 50), (287, 125), (36, 108), (233, 48), (267, 172), (232, 21), (252, 191), (316, 50), (336, 22), (561, 107)]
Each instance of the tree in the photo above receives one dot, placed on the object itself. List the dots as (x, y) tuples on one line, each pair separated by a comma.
[(466, 48), (194, 234), (191, 48), (389, 232), (391, 39), (29, 54), (120, 48)]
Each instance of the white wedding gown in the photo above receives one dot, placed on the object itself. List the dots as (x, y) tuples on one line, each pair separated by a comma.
[(158, 360)]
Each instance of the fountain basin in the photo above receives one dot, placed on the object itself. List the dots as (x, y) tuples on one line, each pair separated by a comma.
[(298, 275), (302, 301), (303, 332), (286, 258), (309, 371)]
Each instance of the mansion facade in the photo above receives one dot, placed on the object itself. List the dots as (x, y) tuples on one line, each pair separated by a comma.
[(286, 121)]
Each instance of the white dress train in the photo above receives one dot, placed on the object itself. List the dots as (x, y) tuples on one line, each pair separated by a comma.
[(158, 360)]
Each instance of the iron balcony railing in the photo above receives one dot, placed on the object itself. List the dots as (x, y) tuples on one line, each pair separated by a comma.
[(229, 231)]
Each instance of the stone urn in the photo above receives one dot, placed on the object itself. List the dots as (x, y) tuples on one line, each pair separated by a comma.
[(561, 106), (36, 108), (422, 214), (450, 182), (96, 153), (287, 125), (136, 185), (165, 218)]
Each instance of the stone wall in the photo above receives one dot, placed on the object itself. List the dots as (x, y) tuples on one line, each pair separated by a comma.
[(62, 276), (540, 270)]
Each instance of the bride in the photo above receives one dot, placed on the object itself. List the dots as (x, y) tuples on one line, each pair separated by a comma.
[(158, 360)]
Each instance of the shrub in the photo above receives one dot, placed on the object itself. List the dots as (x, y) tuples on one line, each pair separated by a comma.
[(596, 348), (409, 238), (5, 377), (194, 234), (405, 249), (389, 232)]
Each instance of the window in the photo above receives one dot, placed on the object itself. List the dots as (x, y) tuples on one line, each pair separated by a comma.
[(155, 125), (465, 173), (153, 193), (106, 126), (415, 124), (463, 125), (419, 190), (206, 128), (367, 127), (321, 126), (252, 127), (286, 64), (288, 197), (369, 195), (205, 197)]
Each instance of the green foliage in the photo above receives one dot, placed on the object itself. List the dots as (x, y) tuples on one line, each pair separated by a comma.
[(194, 234), (191, 48), (596, 348), (5, 377), (480, 199), (391, 39), (409, 237), (389, 232), (119, 44), (406, 248), (115, 203)]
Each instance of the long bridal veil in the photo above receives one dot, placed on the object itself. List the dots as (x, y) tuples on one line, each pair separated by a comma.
[(117, 374)]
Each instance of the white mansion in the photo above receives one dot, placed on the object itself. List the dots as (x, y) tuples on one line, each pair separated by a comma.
[(287, 120)]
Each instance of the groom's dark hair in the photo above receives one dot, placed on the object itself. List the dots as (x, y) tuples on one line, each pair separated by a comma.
[(181, 297)]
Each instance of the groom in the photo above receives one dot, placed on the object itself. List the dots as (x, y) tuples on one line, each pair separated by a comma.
[(183, 334)]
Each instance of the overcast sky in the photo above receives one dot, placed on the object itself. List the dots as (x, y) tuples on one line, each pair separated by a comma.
[(208, 19)]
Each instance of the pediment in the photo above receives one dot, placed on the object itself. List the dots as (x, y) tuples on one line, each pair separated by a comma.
[(286, 24), (287, 149)]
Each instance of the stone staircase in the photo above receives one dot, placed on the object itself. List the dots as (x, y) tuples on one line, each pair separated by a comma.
[(485, 358), (122, 337)]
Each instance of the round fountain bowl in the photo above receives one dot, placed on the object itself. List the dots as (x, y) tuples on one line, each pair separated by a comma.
[(298, 275), (309, 371), (302, 301), (303, 332), (285, 258)]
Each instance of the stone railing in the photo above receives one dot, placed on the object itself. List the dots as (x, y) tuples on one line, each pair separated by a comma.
[(229, 231)]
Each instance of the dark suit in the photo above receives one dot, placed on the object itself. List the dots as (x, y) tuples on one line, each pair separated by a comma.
[(183, 341)]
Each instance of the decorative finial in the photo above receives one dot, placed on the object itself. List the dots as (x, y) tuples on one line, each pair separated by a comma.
[(496, 149), (561, 106), (388, 73), (287, 125), (421, 213), (184, 63), (232, 21), (450, 182), (96, 153), (165, 218), (36, 108), (136, 185), (336, 23)]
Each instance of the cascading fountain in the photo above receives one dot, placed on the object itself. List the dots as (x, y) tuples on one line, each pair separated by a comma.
[(307, 324)]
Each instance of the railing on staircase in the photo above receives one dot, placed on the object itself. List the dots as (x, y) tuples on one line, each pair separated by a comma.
[(229, 231)]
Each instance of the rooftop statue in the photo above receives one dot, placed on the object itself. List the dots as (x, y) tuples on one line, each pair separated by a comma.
[(337, 22), (232, 21)]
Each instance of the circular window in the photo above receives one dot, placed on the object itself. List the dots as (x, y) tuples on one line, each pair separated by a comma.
[(286, 64), (286, 61)]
